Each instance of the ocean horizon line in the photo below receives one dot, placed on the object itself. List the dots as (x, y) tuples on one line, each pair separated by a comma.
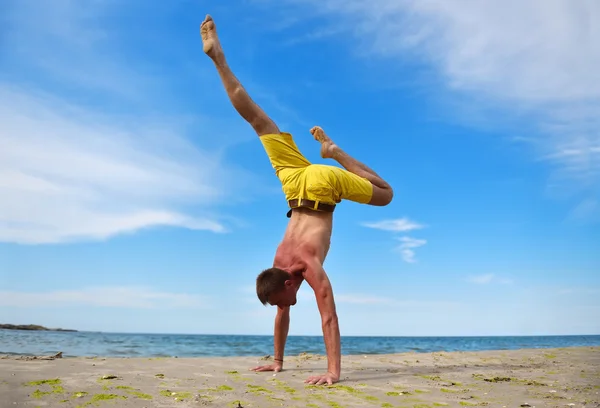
[(407, 336), (88, 343)]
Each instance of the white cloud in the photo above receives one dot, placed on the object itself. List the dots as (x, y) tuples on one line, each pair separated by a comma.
[(534, 62), (106, 297), (66, 174), (73, 169), (398, 225), (488, 278), (408, 244), (407, 248)]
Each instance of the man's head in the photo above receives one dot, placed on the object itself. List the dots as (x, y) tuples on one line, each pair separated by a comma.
[(276, 287)]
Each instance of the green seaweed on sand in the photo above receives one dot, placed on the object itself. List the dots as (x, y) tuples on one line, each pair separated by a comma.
[(353, 391), (37, 394), (58, 389), (132, 391), (54, 384), (348, 389), (179, 396), (431, 377), (257, 389), (141, 395), (106, 382), (106, 397), (282, 385), (288, 389), (96, 399), (224, 388), (53, 381)]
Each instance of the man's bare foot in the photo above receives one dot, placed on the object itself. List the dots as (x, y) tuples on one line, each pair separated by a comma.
[(210, 40), (328, 148)]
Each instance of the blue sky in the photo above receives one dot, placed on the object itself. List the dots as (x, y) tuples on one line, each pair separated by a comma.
[(134, 199)]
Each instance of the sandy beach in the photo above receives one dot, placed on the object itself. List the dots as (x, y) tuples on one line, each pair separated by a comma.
[(537, 378)]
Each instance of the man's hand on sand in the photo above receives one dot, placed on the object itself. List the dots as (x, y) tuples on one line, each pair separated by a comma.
[(328, 379), (270, 367)]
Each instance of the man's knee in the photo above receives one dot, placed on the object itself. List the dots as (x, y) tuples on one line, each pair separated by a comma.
[(382, 196), (388, 196)]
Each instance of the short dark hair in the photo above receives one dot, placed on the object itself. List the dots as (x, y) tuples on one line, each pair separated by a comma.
[(270, 281)]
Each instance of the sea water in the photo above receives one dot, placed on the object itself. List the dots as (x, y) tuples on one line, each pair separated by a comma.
[(195, 345)]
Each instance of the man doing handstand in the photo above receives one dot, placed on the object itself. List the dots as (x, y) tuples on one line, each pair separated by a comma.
[(312, 192)]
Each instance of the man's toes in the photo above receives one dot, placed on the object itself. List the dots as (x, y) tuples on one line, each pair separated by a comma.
[(207, 19)]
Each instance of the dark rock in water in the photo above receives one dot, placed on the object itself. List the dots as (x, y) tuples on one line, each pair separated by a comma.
[(28, 358), (31, 327)]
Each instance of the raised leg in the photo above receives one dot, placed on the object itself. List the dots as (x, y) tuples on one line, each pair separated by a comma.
[(382, 191), (238, 96)]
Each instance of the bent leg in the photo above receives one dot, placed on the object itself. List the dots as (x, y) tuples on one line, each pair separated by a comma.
[(382, 191), (241, 101)]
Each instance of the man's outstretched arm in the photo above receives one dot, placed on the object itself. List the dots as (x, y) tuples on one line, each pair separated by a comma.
[(317, 278), (282, 326)]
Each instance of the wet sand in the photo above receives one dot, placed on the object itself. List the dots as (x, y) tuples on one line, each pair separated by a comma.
[(521, 378)]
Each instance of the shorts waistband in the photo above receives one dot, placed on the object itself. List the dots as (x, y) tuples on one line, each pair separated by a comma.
[(311, 204)]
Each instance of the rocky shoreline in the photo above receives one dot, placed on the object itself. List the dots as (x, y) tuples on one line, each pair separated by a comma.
[(31, 327)]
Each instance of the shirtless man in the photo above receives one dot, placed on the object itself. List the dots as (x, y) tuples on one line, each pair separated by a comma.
[(312, 192)]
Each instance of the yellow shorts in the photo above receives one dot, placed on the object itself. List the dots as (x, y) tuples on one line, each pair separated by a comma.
[(300, 179)]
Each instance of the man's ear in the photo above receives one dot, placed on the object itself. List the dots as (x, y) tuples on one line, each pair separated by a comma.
[(288, 282)]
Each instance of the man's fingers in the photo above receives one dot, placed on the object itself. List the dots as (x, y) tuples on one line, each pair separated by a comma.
[(315, 380), (319, 380), (259, 368)]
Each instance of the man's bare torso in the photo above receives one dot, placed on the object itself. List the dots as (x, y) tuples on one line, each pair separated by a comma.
[(308, 235)]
